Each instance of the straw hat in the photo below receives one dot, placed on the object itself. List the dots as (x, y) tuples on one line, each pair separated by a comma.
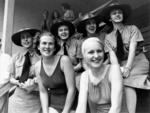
[(16, 37), (124, 7), (81, 26)]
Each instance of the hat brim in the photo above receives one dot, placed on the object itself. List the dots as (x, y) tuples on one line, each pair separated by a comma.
[(16, 38), (55, 26), (81, 26), (124, 7)]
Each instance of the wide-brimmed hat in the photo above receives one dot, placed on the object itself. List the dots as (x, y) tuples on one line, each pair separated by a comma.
[(55, 26), (81, 26), (124, 7), (16, 37)]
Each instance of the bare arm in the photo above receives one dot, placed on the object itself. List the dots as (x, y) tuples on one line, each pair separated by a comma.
[(132, 50), (115, 78), (116, 88), (42, 90), (82, 101), (70, 82)]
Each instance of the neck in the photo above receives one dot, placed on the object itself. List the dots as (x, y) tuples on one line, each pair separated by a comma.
[(48, 60), (96, 71), (117, 26), (90, 34)]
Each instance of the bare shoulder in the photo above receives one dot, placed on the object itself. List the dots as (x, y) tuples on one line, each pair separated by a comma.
[(84, 76), (65, 59)]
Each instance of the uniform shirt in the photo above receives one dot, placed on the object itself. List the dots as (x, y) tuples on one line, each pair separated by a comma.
[(18, 62)]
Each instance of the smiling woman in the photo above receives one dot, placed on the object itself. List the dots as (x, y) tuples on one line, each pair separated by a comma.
[(25, 99), (55, 77), (100, 85)]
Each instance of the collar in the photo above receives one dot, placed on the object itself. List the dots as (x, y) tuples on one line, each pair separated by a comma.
[(120, 28), (32, 53)]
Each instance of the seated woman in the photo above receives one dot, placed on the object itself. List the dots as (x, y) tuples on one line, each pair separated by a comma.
[(126, 40), (100, 85), (55, 77)]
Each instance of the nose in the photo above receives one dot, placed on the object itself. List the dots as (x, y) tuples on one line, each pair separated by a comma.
[(47, 45), (95, 54)]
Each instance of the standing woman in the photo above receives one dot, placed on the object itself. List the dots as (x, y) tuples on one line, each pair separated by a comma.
[(55, 77), (24, 99), (100, 84), (125, 39)]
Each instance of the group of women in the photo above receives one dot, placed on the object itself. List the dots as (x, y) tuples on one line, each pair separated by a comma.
[(99, 63)]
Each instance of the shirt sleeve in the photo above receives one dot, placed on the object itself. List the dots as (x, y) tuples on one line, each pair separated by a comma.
[(136, 34)]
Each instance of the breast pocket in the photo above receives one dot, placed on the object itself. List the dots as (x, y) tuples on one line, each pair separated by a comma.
[(18, 69)]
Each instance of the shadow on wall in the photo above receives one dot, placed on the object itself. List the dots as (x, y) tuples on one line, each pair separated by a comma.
[(141, 16)]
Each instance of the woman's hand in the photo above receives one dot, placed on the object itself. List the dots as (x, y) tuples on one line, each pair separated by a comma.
[(14, 81), (29, 85), (126, 72)]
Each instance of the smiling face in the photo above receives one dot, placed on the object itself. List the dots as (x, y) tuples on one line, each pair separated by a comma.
[(94, 54), (26, 40), (47, 45), (116, 16), (63, 32), (91, 26)]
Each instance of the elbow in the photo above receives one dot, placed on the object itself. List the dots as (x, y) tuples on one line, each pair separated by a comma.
[(72, 91), (115, 109)]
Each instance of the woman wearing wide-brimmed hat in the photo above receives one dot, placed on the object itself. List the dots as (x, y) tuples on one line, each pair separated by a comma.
[(90, 25), (125, 40), (63, 31), (25, 99)]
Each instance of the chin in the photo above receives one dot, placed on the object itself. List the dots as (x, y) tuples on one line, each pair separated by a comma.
[(64, 38)]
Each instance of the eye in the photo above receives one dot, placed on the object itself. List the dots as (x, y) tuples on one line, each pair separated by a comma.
[(91, 52), (99, 51), (44, 43)]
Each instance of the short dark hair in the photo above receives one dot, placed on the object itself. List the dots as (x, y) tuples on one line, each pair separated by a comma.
[(57, 46)]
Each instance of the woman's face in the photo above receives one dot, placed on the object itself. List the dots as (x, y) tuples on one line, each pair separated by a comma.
[(94, 54), (26, 40), (46, 45), (63, 32), (91, 26), (116, 16)]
